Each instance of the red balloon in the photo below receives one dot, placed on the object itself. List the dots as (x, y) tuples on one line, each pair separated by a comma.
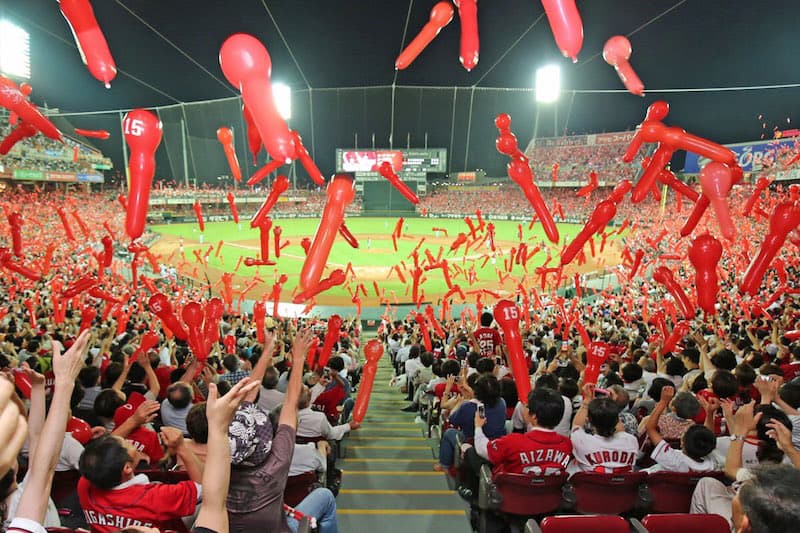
[(470, 43), (88, 314), (65, 222), (567, 26), (198, 212), (232, 203), (247, 66), (340, 193), (22, 382), (373, 351), (193, 316), (441, 15), (305, 159), (142, 131), (253, 137), (344, 231), (784, 219), (108, 251), (331, 336), (664, 276), (385, 170), (716, 181), (259, 315), (596, 354), (704, 255), (90, 40), (337, 277), (507, 316), (12, 98), (520, 171), (761, 185), (94, 134), (426, 335), (225, 137), (678, 332), (503, 122), (80, 430), (149, 341), (276, 237), (668, 178), (15, 223), (506, 143), (21, 132), (279, 186), (214, 310), (617, 52), (162, 308)]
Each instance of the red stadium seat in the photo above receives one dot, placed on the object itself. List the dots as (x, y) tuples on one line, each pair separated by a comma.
[(519, 495), (606, 493), (672, 491), (584, 523), (685, 523), (298, 487)]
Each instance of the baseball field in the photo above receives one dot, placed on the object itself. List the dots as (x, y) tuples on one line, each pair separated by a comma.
[(375, 263)]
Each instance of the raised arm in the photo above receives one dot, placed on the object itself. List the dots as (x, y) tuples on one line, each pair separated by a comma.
[(580, 417), (743, 423), (32, 505), (153, 385), (217, 472), (667, 393), (300, 347), (264, 362)]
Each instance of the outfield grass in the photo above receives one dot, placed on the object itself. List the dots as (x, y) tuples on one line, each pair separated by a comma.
[(372, 260)]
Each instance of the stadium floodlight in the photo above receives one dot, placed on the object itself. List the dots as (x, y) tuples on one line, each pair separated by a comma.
[(15, 50), (548, 84), (282, 94)]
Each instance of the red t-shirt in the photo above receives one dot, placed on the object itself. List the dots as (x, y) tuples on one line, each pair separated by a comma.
[(163, 374), (488, 339), (791, 370), (438, 390), (538, 452), (329, 400), (139, 503)]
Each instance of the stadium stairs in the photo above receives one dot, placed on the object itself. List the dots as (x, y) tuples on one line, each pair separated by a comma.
[(388, 483)]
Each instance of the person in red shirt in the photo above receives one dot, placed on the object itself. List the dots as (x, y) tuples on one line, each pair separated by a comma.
[(487, 340), (145, 440), (113, 497), (539, 452)]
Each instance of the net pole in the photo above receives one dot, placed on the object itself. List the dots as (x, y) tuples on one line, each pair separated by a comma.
[(183, 151), (469, 128), (452, 131), (391, 122)]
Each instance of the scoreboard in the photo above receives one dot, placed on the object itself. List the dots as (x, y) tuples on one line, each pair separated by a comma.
[(414, 160)]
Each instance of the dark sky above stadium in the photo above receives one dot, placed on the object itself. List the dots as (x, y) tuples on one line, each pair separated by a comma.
[(677, 44)]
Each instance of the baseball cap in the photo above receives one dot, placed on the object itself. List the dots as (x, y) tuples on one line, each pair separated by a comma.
[(126, 410)]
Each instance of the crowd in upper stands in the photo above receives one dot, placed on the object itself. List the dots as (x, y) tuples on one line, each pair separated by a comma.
[(45, 154)]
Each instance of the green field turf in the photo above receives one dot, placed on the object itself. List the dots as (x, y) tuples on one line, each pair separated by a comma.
[(374, 235)]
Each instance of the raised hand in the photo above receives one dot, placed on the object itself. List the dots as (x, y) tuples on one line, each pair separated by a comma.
[(66, 367), (220, 409)]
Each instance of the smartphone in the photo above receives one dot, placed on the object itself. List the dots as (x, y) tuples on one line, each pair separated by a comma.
[(564, 346), (481, 411)]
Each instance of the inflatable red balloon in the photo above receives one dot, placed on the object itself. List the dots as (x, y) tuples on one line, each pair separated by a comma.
[(762, 184), (193, 317), (507, 316), (108, 251), (340, 193), (279, 186), (337, 277), (599, 219), (567, 26), (247, 66), (88, 314), (680, 330), (225, 137), (259, 316), (385, 170), (232, 204), (373, 351), (90, 40), (305, 159), (426, 335), (81, 431), (15, 223), (617, 52), (470, 43), (94, 134), (664, 276), (331, 337), (26, 90), (198, 213), (784, 219), (704, 254), (441, 15), (21, 132), (214, 310), (716, 181), (12, 98), (253, 137), (520, 171), (149, 341), (142, 131), (62, 214), (162, 308), (596, 354)]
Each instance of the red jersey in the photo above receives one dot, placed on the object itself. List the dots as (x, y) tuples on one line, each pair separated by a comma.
[(538, 452), (137, 502), (488, 340)]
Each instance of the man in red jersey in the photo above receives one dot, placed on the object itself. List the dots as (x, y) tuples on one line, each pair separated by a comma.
[(487, 340)]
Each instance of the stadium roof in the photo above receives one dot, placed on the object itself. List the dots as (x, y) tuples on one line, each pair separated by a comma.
[(167, 52)]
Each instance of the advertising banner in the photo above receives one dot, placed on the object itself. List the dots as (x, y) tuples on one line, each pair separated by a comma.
[(22, 174), (403, 161), (752, 156), (62, 176), (90, 178)]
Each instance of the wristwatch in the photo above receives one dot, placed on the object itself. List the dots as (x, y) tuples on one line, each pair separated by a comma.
[(738, 437)]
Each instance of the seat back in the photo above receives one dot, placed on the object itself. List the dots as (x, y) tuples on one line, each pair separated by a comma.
[(584, 524), (672, 491), (606, 493), (685, 523), (165, 476), (64, 484), (527, 495), (298, 487)]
